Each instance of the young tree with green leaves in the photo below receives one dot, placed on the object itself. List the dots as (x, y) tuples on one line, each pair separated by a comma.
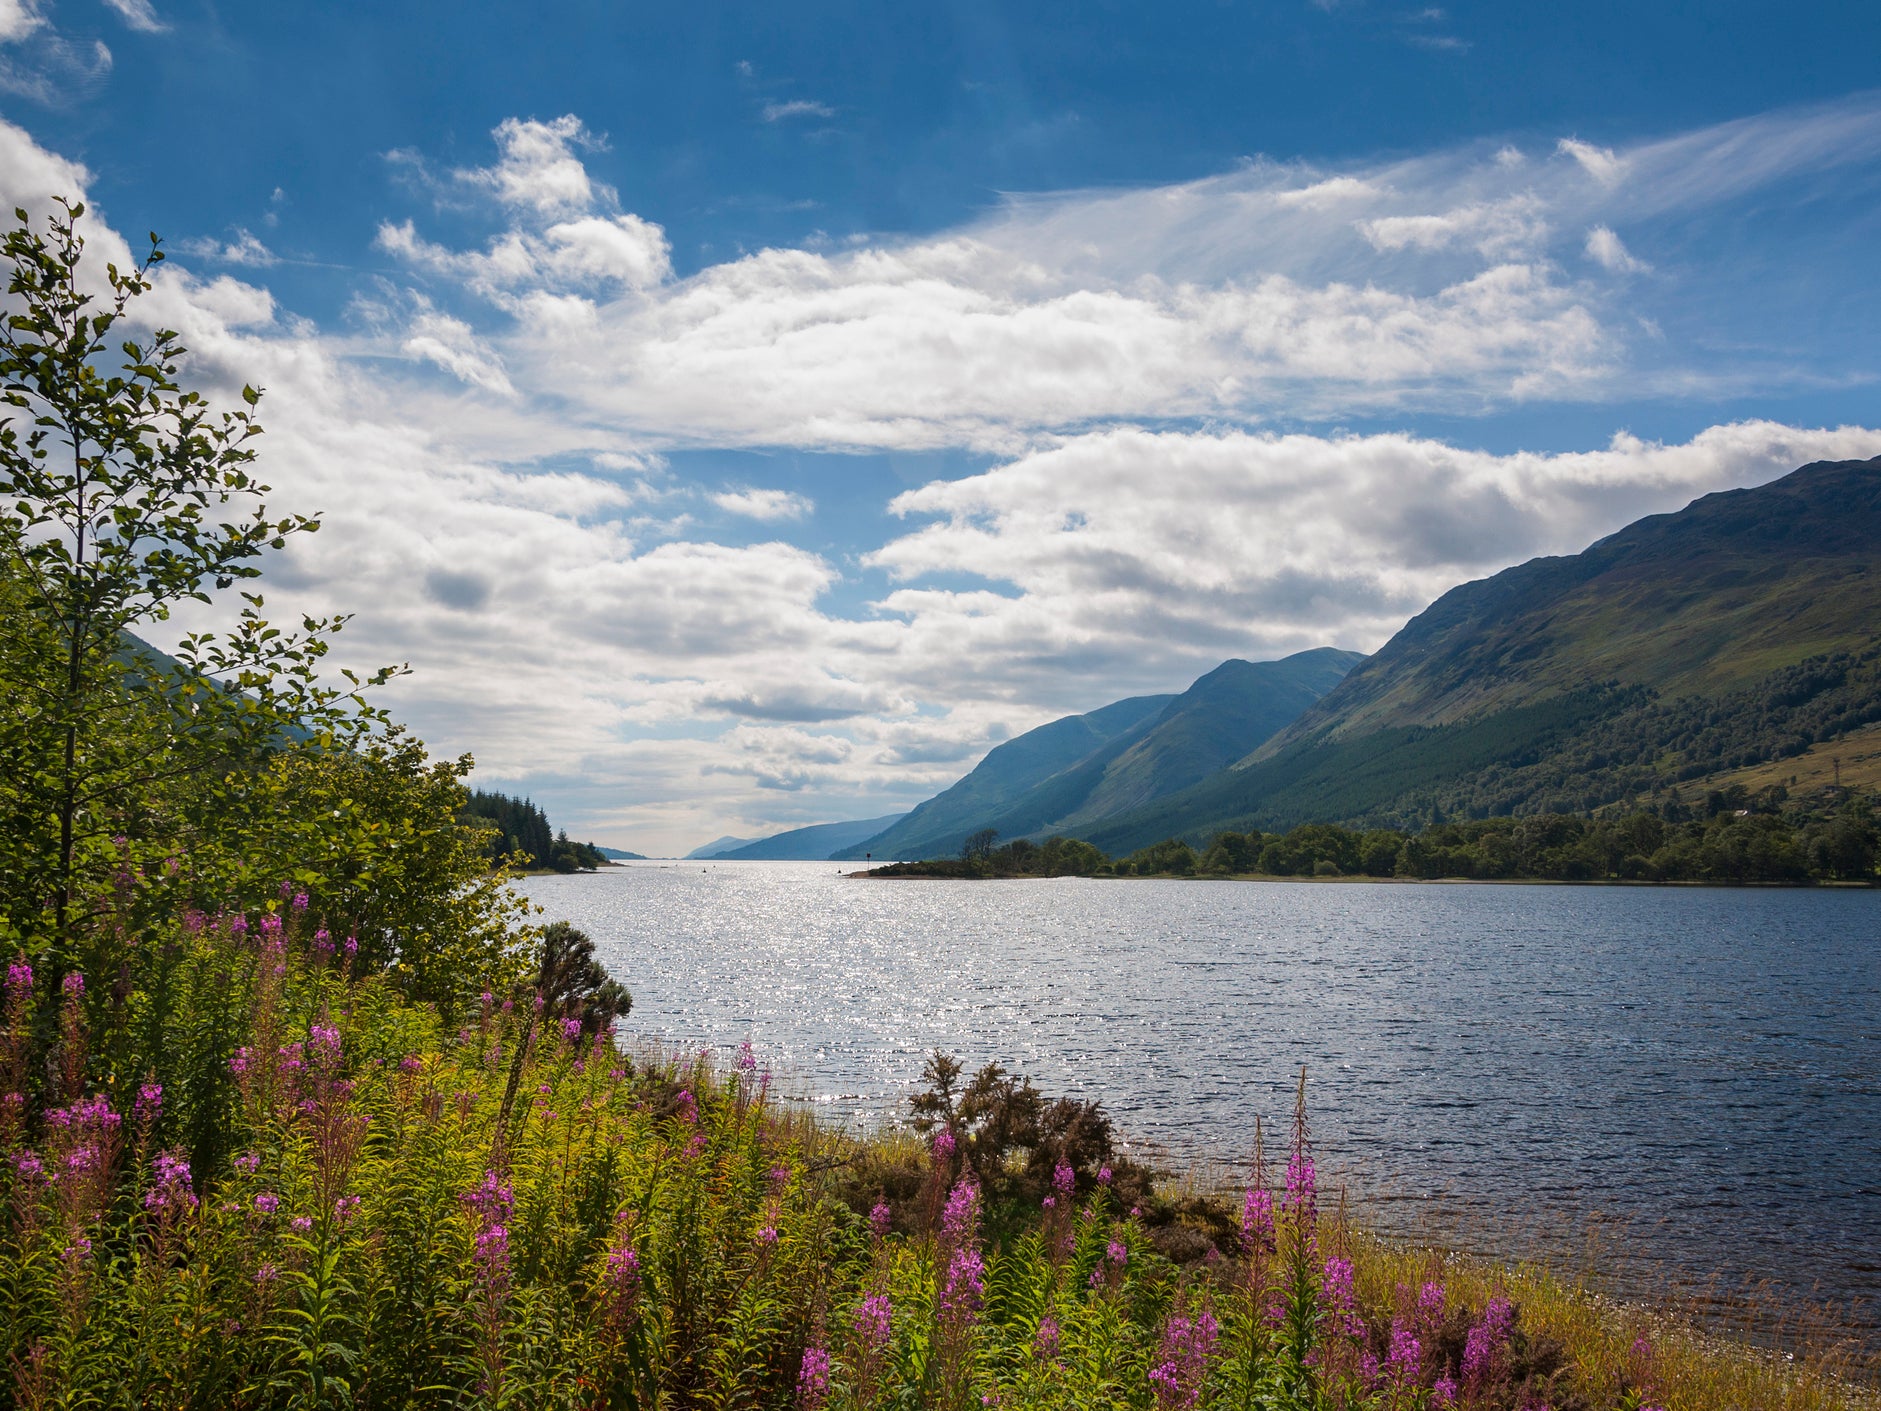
[(122, 496)]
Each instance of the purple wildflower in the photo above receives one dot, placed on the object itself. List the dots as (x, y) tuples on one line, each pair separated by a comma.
[(267, 1202), (571, 1030), (1063, 1179), (324, 1041), (1443, 1394), (1117, 1253), (302, 1224), (767, 1235), (965, 1283), (149, 1102), (19, 976), (28, 1167), (1487, 1339), (1103, 1175), (300, 901), (73, 984), (266, 1274), (351, 947), (1046, 1338), (1257, 1220), (875, 1321), (1187, 1345), (879, 1220), (172, 1189), (1406, 1354), (747, 1060), (248, 1163), (1339, 1295), (344, 1207), (623, 1270), (944, 1146), (813, 1379), (960, 1221), (238, 1063)]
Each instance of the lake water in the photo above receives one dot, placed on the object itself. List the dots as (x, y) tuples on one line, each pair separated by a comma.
[(1699, 1070)]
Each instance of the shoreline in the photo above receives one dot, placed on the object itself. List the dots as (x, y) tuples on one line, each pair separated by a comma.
[(882, 873)]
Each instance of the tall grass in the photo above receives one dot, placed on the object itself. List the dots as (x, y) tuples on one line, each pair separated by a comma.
[(265, 1180)]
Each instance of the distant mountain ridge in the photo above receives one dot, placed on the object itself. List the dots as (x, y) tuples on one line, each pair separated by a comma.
[(1742, 628), (1072, 773), (816, 843)]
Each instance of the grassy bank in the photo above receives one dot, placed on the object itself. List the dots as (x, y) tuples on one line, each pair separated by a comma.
[(264, 1178)]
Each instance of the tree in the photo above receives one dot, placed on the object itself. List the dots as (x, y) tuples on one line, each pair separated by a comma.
[(979, 846), (122, 497)]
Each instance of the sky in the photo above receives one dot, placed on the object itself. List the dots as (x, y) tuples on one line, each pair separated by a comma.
[(744, 416)]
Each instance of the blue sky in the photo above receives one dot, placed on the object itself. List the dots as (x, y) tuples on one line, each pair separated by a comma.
[(743, 416)]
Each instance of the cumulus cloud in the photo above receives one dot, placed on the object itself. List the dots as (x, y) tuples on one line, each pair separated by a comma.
[(18, 18), (138, 15), (1605, 249), (1601, 163), (764, 504), (1458, 281)]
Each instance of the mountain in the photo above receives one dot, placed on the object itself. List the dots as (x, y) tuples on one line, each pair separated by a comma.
[(1740, 629), (816, 843), (620, 854), (1070, 774), (717, 846)]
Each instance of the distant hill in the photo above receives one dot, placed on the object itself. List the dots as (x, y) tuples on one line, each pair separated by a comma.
[(1071, 774), (620, 854), (1741, 629), (717, 846), (817, 843)]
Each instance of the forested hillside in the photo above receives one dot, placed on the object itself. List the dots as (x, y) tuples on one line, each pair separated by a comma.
[(517, 828)]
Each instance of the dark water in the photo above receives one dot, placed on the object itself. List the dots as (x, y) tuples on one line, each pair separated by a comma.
[(1701, 1068)]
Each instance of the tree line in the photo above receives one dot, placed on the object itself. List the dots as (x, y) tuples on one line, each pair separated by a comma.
[(518, 830)]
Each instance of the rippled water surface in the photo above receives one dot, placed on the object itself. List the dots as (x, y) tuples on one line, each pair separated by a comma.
[(1704, 1065)]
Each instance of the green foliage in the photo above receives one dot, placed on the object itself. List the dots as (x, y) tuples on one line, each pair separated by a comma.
[(122, 495), (519, 831)]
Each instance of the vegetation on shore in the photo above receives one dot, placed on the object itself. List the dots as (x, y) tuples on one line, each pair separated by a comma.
[(519, 834), (1732, 837)]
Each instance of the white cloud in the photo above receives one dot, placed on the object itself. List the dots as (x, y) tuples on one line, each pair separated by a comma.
[(797, 108), (764, 504), (18, 18), (1601, 163), (138, 15), (1605, 249), (244, 249), (538, 169)]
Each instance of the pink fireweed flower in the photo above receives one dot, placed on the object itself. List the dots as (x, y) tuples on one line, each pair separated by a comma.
[(323, 939), (623, 1270), (271, 925), (351, 947), (300, 901), (492, 1251), (874, 1321), (194, 921), (240, 1060), (73, 984), (686, 1106), (28, 1167), (1117, 1253), (1064, 1179), (1257, 1220), (1430, 1301), (411, 1063), (267, 1202), (1338, 1294), (813, 1379), (960, 1221), (1487, 1339), (302, 1224), (1103, 1175), (1050, 1202), (266, 1274), (747, 1060), (248, 1163), (880, 1219), (965, 1283), (494, 1199), (149, 1104), (1046, 1338), (19, 976), (1405, 1356), (767, 1235), (323, 1041), (1187, 1345), (344, 1207), (943, 1146), (1443, 1394), (238, 928), (172, 1189), (1302, 1186), (571, 1030)]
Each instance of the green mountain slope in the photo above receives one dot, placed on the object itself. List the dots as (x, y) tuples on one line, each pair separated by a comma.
[(815, 843), (1190, 737), (1742, 628)]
